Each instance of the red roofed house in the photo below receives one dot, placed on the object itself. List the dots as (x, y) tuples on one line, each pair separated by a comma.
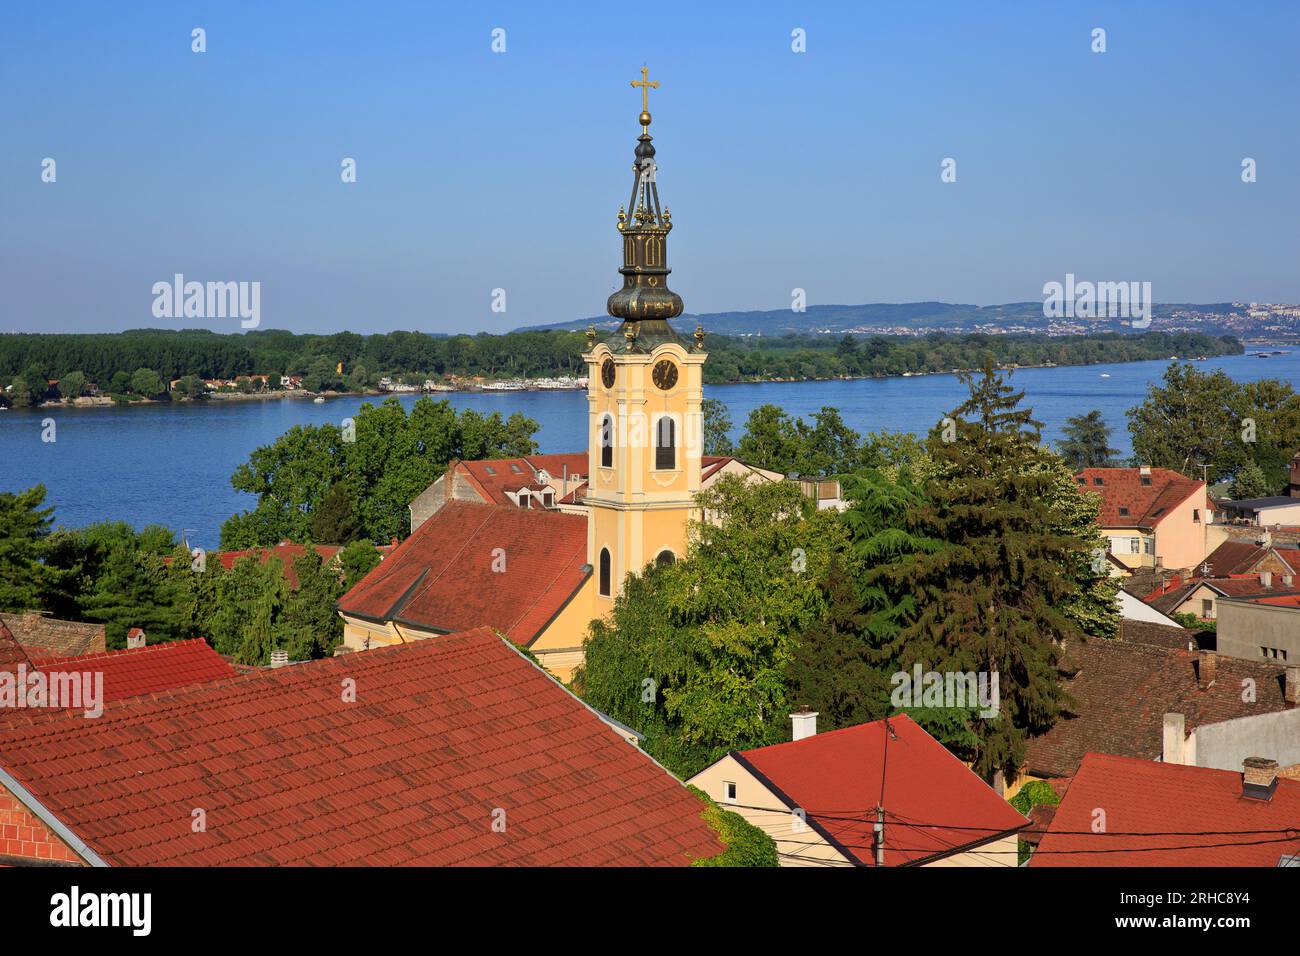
[(521, 572), (42, 636), (1124, 812), (148, 668), (1151, 517), (452, 752), (816, 796)]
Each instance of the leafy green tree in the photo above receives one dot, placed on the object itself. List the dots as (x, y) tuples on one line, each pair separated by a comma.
[(37, 385), (334, 522), (194, 587), (770, 440), (1087, 442), (20, 393), (72, 385), (1193, 419), (356, 560), (120, 383), (394, 456), (828, 446), (694, 653), (717, 428), (310, 626), (836, 668), (1250, 482), (249, 598), (132, 591), (191, 387), (990, 596), (24, 544), (146, 383)]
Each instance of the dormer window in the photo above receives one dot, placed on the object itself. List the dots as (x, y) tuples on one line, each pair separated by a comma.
[(1098, 481), (1123, 512), (1146, 480)]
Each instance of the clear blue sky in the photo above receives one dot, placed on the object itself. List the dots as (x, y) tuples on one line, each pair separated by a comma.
[(479, 170)]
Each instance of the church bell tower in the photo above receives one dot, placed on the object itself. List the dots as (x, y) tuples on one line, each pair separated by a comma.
[(645, 397)]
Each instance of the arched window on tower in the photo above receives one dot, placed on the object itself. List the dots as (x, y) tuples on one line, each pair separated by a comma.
[(605, 572), (665, 558), (666, 444), (607, 441)]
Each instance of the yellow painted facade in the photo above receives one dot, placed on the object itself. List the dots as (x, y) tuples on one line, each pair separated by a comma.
[(639, 503)]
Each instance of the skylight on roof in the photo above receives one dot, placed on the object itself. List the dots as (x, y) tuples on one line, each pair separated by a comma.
[(488, 469)]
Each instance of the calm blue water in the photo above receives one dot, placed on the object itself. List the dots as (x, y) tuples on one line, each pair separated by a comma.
[(171, 464)]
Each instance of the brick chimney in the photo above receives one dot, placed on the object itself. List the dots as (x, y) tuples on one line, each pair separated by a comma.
[(805, 723), (1258, 778), (1175, 739), (1206, 669), (1291, 693)]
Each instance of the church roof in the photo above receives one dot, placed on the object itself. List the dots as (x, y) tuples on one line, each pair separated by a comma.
[(473, 564), (444, 738)]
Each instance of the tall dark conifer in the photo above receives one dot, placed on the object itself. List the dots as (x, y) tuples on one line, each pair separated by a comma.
[(988, 599)]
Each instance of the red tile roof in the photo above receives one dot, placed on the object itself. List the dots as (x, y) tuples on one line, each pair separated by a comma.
[(1121, 691), (43, 636), (1146, 505), (148, 669), (934, 804), (441, 736), (1144, 797), (442, 577), (492, 478), (11, 652)]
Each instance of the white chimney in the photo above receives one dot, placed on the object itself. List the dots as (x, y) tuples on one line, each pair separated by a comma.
[(279, 658), (135, 638), (1175, 738), (805, 723), (1144, 470)]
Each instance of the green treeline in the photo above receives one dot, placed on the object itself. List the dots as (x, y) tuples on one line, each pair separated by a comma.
[(98, 358)]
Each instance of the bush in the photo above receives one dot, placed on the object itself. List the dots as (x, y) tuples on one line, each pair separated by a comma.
[(746, 844)]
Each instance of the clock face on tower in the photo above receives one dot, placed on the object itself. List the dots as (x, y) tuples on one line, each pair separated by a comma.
[(664, 375), (607, 373)]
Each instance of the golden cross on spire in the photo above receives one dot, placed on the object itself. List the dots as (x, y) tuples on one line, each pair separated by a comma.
[(646, 84)]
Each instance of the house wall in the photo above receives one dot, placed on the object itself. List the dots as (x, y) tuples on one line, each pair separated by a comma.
[(1180, 541), (1135, 609), (1223, 746), (800, 844), (1243, 628), (23, 835), (804, 847), (559, 647)]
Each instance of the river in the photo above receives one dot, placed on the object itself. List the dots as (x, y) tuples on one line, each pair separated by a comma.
[(171, 464)]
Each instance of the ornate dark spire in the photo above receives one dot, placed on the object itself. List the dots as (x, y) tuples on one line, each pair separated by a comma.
[(645, 303)]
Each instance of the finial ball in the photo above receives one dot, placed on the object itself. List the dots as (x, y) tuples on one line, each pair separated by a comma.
[(644, 119)]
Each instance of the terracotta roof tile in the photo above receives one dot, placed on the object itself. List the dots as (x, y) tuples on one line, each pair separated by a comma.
[(835, 778), (444, 576), (43, 636), (1145, 797), (1145, 505), (441, 734), (1122, 690), (144, 670)]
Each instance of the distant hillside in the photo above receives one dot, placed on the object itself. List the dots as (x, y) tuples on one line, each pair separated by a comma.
[(922, 317)]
